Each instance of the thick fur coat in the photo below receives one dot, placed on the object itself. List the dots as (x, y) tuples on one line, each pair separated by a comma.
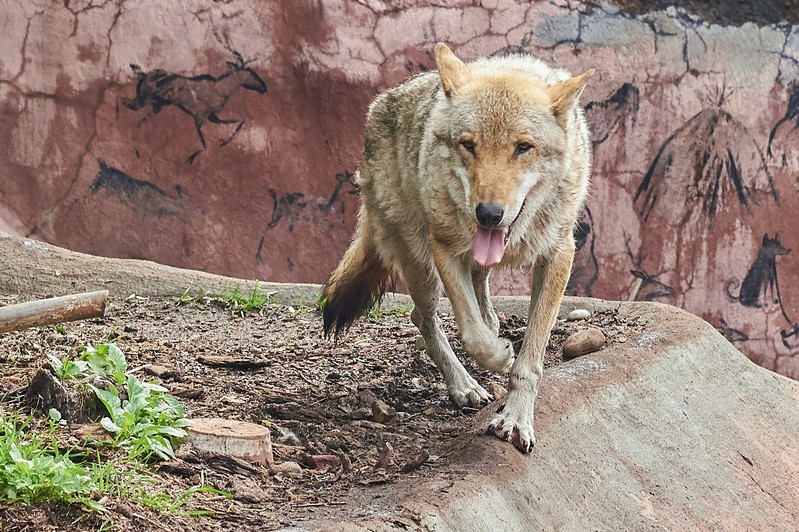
[(472, 167)]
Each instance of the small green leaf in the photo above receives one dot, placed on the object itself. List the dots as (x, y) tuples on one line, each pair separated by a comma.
[(110, 426)]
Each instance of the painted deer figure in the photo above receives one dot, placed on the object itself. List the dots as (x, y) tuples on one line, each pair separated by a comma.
[(201, 97)]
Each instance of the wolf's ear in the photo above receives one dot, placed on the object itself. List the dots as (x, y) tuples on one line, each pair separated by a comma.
[(566, 93), (454, 72)]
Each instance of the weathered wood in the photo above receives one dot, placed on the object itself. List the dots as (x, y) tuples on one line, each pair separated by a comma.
[(52, 311), (76, 404)]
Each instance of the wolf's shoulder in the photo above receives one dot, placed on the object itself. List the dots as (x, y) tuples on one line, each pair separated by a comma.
[(424, 84)]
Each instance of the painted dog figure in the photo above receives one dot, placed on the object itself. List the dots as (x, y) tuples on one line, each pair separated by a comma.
[(472, 167)]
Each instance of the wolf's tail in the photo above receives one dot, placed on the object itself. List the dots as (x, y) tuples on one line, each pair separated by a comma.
[(356, 285)]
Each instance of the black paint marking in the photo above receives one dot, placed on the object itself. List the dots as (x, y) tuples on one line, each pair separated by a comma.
[(605, 116), (201, 97), (137, 194), (732, 335), (295, 207), (760, 286), (791, 114), (584, 275), (649, 287), (699, 162)]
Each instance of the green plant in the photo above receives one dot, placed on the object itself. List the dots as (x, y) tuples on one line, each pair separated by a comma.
[(201, 298), (106, 360), (301, 310), (67, 369), (142, 417), (231, 298), (148, 421), (376, 312), (239, 303), (32, 468)]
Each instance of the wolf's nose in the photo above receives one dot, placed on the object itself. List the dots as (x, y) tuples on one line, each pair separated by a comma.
[(489, 215)]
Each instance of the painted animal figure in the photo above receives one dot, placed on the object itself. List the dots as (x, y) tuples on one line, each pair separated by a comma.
[(201, 97), (476, 166), (759, 287)]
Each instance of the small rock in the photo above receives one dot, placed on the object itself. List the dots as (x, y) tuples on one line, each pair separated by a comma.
[(420, 343), (400, 348), (621, 339), (187, 392), (323, 461), (367, 397), (417, 462), (123, 509), (246, 490), (361, 413), (578, 314), (162, 372), (382, 412), (583, 342), (496, 390), (385, 458), (289, 469), (287, 437)]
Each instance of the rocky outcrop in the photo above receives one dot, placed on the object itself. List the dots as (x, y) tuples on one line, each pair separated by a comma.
[(673, 430), (224, 136)]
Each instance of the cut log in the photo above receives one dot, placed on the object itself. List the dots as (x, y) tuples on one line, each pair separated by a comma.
[(52, 311), (247, 441)]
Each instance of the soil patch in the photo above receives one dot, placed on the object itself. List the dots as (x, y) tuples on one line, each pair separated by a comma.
[(317, 397)]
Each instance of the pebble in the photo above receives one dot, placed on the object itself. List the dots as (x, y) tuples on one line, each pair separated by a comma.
[(361, 413), (382, 412), (621, 339), (289, 469), (162, 372), (496, 390), (420, 343), (583, 342), (323, 461), (578, 314)]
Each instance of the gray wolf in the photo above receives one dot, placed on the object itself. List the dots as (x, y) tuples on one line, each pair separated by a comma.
[(466, 169)]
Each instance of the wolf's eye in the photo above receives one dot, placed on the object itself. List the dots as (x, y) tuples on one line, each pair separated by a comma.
[(523, 147), (468, 145)]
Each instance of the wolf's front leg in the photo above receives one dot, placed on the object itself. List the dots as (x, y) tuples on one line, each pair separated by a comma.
[(483, 294), (425, 289), (515, 421), (479, 341)]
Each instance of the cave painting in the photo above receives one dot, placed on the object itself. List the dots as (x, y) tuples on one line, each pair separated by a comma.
[(201, 97)]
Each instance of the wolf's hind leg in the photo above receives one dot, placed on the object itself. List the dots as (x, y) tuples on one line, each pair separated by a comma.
[(482, 291), (425, 288)]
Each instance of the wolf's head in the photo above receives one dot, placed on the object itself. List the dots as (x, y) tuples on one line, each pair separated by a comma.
[(509, 121)]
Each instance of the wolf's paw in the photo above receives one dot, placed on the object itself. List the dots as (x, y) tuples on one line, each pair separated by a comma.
[(502, 359), (514, 422), (469, 393)]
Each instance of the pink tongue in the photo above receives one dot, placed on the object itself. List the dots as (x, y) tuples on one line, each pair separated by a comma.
[(489, 245)]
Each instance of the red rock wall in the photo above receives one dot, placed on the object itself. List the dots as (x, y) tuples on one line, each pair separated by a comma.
[(695, 189)]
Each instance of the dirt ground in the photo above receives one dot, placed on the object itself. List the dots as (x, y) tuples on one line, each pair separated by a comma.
[(315, 395)]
